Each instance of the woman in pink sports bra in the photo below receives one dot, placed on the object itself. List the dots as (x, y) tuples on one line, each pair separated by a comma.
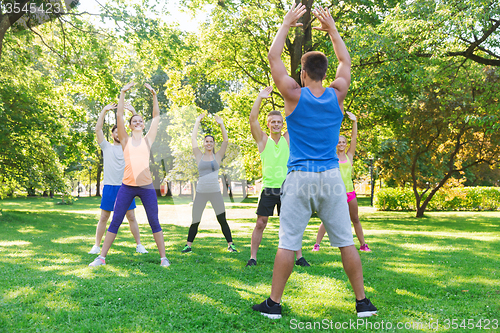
[(345, 166)]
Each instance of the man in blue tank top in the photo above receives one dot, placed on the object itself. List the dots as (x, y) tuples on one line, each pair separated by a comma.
[(313, 183)]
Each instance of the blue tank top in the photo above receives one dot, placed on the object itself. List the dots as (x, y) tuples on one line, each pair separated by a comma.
[(314, 127)]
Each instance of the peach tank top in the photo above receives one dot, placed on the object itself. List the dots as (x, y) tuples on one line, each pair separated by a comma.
[(136, 171)]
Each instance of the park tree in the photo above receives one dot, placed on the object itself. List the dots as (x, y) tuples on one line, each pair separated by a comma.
[(53, 74), (447, 131), (233, 46), (19, 15), (435, 77), (37, 116)]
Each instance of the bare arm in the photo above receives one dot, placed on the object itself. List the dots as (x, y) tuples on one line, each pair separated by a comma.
[(129, 107), (153, 129), (287, 138), (194, 138), (258, 134), (286, 85), (120, 123), (98, 127), (343, 75), (225, 140), (354, 134)]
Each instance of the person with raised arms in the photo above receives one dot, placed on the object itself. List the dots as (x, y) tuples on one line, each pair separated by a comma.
[(346, 160), (137, 179), (208, 188), (114, 163), (313, 183), (274, 153)]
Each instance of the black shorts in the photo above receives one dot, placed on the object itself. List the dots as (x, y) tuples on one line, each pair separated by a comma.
[(269, 198)]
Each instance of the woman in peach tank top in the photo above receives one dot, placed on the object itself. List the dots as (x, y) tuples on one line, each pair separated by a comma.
[(137, 177)]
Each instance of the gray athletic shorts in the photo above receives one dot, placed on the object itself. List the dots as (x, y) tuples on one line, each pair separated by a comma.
[(304, 193)]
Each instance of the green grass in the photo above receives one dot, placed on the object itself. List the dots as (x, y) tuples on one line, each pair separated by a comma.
[(444, 266)]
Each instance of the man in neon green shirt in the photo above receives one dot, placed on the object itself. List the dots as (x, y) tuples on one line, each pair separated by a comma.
[(274, 152)]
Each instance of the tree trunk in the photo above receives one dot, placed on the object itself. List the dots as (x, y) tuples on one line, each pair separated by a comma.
[(31, 192), (169, 192), (45, 194), (244, 188), (307, 41), (99, 171), (51, 194), (4, 26), (169, 189), (296, 54), (7, 20), (156, 175), (224, 186), (302, 42)]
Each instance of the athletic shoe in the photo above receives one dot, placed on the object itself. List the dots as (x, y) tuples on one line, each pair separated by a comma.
[(165, 262), (365, 308), (302, 262), (316, 247), (186, 249), (251, 262), (232, 248), (98, 262), (273, 312), (365, 248), (141, 249), (95, 250)]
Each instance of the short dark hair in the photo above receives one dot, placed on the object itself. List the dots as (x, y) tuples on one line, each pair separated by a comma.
[(209, 135), (274, 113), (113, 129), (315, 64)]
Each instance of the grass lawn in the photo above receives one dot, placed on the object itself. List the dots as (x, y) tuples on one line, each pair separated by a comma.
[(441, 269)]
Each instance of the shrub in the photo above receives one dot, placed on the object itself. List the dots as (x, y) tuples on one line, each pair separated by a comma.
[(67, 199), (446, 199)]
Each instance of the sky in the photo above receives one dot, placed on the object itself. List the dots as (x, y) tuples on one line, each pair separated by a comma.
[(185, 21)]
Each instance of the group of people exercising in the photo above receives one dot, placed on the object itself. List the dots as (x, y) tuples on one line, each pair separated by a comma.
[(306, 170)]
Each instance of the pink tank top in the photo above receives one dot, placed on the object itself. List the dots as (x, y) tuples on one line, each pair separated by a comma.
[(136, 171)]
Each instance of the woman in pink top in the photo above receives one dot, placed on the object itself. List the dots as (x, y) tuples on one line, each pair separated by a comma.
[(136, 177), (347, 157)]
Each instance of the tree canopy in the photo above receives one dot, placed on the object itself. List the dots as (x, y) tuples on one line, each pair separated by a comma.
[(424, 84)]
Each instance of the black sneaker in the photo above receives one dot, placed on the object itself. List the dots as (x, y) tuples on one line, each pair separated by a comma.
[(302, 262), (365, 308), (186, 249), (251, 262), (273, 312)]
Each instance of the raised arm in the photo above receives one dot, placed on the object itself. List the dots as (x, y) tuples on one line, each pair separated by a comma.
[(100, 121), (129, 107), (153, 129), (354, 134), (287, 86), (225, 140), (343, 74), (194, 138), (258, 134), (120, 123)]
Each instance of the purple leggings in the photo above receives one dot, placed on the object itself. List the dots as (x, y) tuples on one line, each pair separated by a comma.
[(124, 198)]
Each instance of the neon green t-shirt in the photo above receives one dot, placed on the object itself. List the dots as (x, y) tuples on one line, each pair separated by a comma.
[(274, 159)]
